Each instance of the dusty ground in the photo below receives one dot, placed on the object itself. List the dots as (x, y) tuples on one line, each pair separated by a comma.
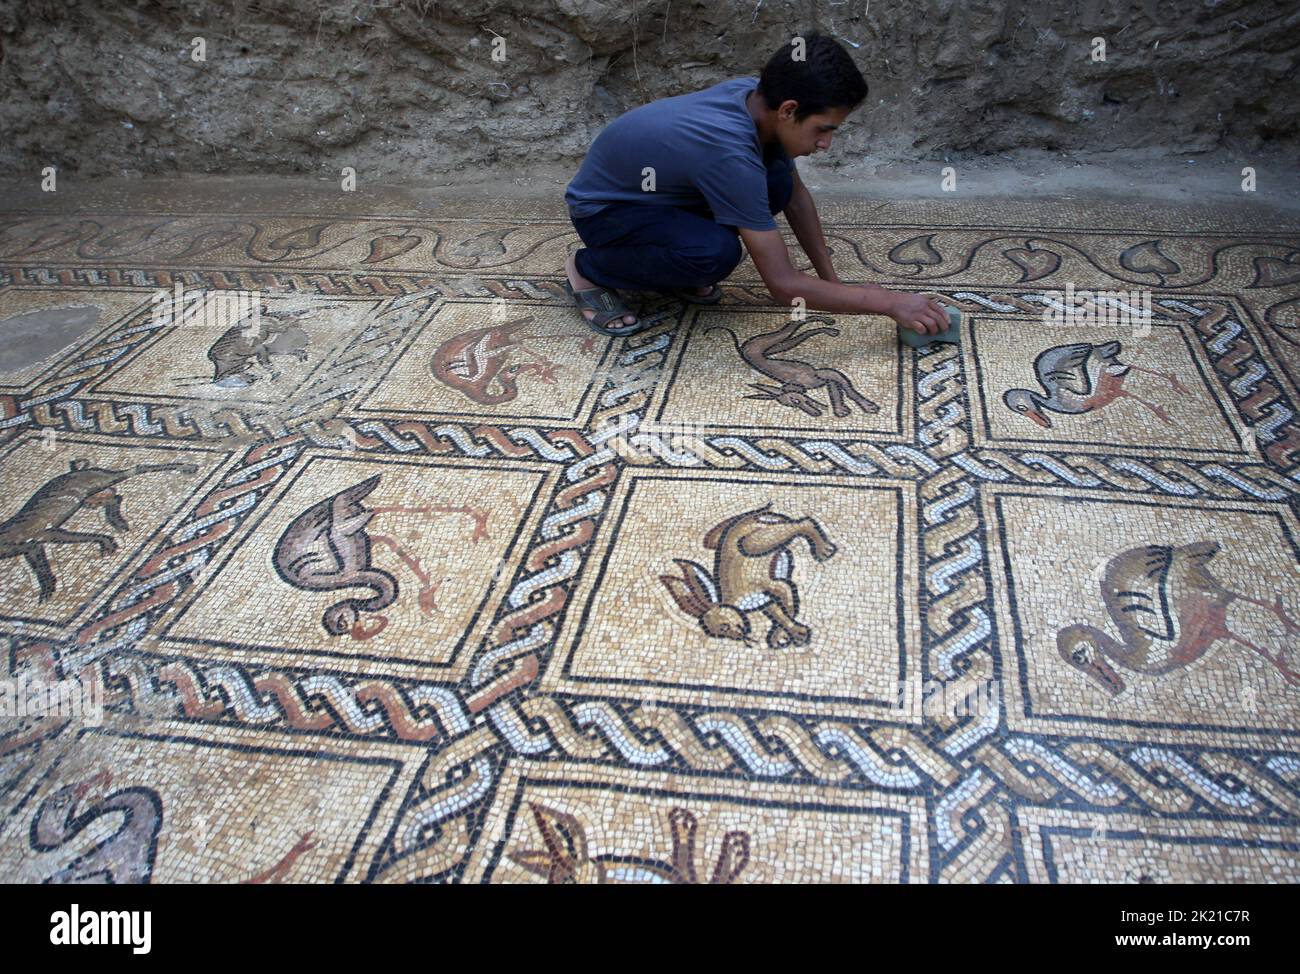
[(1147, 175)]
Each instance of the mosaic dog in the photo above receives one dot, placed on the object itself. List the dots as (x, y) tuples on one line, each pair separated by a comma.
[(251, 343), (752, 571), (796, 378), (40, 521)]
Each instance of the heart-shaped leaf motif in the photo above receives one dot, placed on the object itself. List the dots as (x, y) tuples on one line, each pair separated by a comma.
[(211, 238), (1284, 314), (1033, 263), (917, 251), (308, 238), (474, 250), (121, 241), (390, 245), (1147, 258), (1272, 272)]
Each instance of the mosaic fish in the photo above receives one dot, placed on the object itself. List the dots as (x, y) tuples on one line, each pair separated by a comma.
[(477, 363)]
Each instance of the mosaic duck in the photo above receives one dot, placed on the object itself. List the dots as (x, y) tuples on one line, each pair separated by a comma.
[(565, 858), (1079, 378), (1169, 611), (326, 548), (126, 856)]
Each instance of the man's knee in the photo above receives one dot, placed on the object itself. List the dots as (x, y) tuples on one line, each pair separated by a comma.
[(715, 257)]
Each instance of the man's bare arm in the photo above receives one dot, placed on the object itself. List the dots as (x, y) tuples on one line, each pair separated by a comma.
[(807, 227), (772, 259)]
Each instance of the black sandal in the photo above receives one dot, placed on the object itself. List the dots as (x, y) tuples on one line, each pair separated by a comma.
[(608, 307), (689, 296)]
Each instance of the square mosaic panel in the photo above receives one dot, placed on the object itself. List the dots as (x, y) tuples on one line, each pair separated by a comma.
[(133, 806), (217, 352), (492, 360), (722, 591), (388, 566), (427, 582), (760, 372), (1093, 386), (1188, 610), (666, 830), (1070, 848), (78, 510)]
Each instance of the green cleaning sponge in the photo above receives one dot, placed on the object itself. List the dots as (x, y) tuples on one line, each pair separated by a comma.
[(951, 334)]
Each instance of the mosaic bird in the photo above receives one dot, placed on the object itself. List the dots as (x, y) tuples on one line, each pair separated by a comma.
[(1079, 378), (477, 363), (326, 548), (126, 856), (1169, 611)]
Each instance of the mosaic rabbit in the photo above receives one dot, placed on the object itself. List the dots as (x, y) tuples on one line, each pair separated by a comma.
[(751, 571)]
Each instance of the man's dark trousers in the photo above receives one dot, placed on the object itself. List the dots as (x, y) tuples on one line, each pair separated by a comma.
[(653, 246)]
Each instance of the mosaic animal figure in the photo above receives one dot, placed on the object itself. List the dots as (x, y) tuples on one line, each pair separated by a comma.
[(795, 378), (1169, 611), (478, 362), (565, 858), (126, 856), (326, 549), (40, 521), (251, 342), (1079, 378), (481, 249), (278, 872), (752, 571)]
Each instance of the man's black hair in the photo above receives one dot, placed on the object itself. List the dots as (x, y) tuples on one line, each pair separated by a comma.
[(826, 78)]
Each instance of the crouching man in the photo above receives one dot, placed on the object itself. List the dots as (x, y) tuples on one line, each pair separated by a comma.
[(670, 190)]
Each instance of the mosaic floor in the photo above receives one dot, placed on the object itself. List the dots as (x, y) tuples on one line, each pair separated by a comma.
[(416, 579)]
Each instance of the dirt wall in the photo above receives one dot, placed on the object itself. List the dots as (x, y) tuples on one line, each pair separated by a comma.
[(409, 88)]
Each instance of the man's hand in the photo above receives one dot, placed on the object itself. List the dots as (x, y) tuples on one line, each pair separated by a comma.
[(919, 313), (787, 285)]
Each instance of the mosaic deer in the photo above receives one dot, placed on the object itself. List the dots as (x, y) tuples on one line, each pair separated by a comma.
[(40, 521), (796, 378), (752, 571)]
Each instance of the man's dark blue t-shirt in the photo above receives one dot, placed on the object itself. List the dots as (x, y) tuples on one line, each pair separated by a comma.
[(703, 148)]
